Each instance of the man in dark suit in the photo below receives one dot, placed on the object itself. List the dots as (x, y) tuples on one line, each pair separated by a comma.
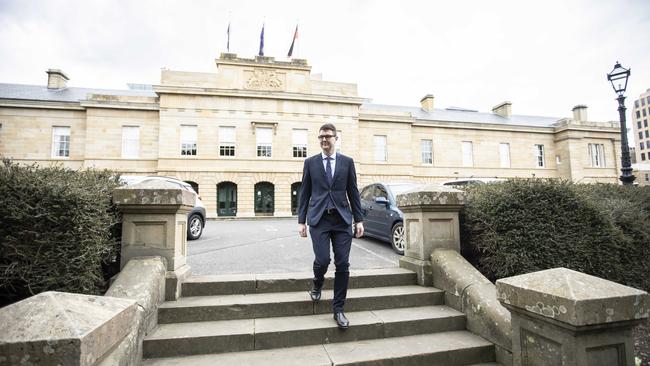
[(329, 203)]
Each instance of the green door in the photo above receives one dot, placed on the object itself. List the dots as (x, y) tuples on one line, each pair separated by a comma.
[(226, 199), (264, 200), (295, 193)]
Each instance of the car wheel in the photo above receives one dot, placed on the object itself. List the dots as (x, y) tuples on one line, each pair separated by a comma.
[(398, 238), (194, 227)]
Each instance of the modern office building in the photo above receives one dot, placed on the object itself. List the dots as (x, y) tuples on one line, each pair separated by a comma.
[(640, 117), (240, 134)]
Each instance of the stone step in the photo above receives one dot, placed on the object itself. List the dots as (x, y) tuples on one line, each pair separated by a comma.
[(284, 282), (452, 348), (249, 334), (229, 307)]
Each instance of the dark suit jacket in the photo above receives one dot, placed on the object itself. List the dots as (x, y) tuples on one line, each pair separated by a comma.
[(314, 190)]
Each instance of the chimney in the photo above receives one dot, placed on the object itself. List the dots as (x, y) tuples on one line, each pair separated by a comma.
[(504, 109), (427, 102), (56, 79), (580, 113)]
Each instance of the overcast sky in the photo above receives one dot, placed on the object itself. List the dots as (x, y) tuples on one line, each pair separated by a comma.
[(543, 56)]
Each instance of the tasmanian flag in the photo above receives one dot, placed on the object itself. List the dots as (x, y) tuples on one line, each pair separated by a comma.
[(293, 43), (228, 32), (261, 53)]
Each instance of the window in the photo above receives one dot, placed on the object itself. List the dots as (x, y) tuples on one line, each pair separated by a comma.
[(640, 135), (188, 140), (636, 104), (338, 141), (226, 141), (647, 134), (641, 145), (597, 155), (426, 147), (647, 144), (638, 114), (60, 142), (645, 114), (379, 144), (647, 177), (264, 137), (504, 155), (130, 142), (648, 99), (638, 124), (645, 123), (643, 156), (539, 156), (299, 138), (468, 153), (642, 101)]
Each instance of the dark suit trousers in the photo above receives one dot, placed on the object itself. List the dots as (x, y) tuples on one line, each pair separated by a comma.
[(332, 228)]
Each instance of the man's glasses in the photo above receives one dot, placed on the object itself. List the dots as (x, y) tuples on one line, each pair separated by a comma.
[(325, 137)]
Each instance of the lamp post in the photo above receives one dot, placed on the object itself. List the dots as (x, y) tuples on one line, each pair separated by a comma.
[(618, 77)]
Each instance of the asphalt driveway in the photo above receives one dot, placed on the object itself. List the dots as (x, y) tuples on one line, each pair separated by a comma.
[(271, 245)]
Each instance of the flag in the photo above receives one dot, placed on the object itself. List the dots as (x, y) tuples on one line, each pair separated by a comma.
[(295, 36), (228, 32), (261, 53)]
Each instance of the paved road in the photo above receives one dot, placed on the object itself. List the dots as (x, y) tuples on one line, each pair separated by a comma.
[(271, 245)]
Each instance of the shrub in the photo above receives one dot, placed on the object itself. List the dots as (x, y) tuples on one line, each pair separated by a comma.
[(58, 230), (522, 226)]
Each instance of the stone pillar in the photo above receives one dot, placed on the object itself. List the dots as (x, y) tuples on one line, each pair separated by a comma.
[(59, 328), (431, 222), (564, 317), (154, 223)]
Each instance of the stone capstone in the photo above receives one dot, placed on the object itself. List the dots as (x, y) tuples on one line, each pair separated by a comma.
[(430, 196), (154, 192), (573, 297), (58, 328)]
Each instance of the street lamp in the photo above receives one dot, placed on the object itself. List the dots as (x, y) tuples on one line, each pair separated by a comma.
[(618, 77)]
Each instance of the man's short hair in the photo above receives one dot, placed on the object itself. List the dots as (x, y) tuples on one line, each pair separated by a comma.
[(328, 126)]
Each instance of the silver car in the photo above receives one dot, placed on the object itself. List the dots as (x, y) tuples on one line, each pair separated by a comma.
[(196, 217)]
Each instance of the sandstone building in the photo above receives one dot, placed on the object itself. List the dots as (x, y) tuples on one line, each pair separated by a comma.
[(240, 135)]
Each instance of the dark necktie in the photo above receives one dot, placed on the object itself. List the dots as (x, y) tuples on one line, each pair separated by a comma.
[(328, 170)]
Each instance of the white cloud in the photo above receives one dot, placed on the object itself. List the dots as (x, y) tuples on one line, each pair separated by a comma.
[(545, 57)]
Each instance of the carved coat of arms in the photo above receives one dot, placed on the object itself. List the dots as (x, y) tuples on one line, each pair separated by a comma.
[(264, 80)]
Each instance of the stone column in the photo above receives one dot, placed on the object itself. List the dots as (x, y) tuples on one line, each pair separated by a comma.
[(154, 223), (59, 328), (431, 222), (564, 317)]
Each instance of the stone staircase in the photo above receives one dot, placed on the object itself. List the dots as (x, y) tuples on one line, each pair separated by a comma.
[(269, 319)]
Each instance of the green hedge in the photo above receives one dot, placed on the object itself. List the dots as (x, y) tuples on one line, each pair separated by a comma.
[(58, 230), (522, 226)]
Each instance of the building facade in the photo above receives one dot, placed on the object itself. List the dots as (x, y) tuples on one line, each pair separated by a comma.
[(240, 135), (640, 117)]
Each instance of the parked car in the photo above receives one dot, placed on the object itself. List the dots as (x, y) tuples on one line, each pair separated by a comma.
[(195, 218), (381, 217), (469, 181)]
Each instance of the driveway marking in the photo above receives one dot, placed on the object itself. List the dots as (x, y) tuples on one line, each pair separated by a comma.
[(375, 254)]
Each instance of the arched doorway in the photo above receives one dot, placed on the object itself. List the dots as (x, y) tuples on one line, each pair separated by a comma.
[(295, 193), (194, 185), (264, 199), (226, 199)]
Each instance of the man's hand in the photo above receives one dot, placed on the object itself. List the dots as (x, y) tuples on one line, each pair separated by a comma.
[(302, 230), (359, 233)]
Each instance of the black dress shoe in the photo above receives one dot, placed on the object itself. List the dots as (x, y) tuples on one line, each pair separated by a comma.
[(341, 320), (314, 293)]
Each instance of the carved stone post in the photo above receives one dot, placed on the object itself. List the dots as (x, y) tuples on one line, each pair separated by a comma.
[(430, 222), (563, 317), (154, 223)]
